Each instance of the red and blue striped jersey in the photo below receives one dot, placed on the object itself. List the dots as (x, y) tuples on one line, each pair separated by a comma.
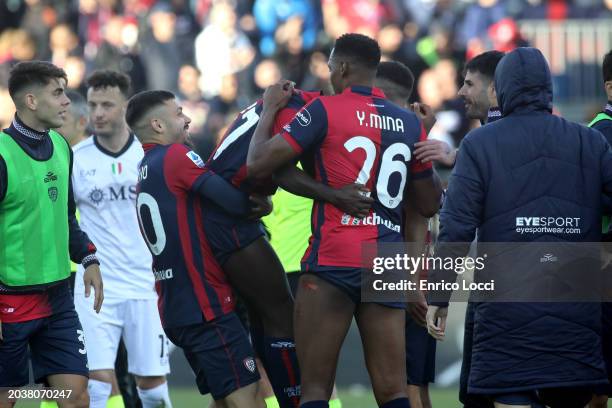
[(357, 137), (190, 283), (229, 158)]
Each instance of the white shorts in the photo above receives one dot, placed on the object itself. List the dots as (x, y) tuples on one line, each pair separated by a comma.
[(137, 321)]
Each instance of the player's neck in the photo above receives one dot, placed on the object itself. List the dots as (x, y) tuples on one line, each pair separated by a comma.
[(30, 121), (115, 142)]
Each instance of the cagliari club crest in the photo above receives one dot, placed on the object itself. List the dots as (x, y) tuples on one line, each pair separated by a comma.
[(52, 191)]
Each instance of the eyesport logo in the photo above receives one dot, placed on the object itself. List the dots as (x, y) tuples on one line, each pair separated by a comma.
[(548, 225), (303, 117)]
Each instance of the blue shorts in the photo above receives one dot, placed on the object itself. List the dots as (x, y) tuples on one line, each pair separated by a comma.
[(219, 354), (518, 398), (227, 235), (348, 280), (56, 346), (420, 354)]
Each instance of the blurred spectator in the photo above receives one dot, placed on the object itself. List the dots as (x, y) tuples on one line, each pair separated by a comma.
[(317, 77), (196, 107), (75, 71), (223, 105), (478, 18), (8, 108), (221, 49), (267, 73), (285, 22), (16, 45), (344, 16), (62, 42), (162, 58)]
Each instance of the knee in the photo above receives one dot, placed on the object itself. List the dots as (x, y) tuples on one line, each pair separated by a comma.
[(599, 401), (145, 383), (79, 399), (387, 388)]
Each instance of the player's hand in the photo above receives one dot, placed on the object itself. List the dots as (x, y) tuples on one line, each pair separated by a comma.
[(353, 199), (260, 206), (277, 96), (426, 114), (418, 309), (435, 150), (436, 321), (93, 277)]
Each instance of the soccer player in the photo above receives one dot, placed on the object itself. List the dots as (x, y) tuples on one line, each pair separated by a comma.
[(196, 303), (350, 145), (74, 128), (104, 179), (246, 256), (396, 81), (38, 231), (478, 93), (603, 123), (557, 168)]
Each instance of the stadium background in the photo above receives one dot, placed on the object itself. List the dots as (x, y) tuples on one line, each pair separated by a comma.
[(218, 55)]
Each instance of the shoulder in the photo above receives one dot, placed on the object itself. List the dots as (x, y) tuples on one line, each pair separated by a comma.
[(83, 145)]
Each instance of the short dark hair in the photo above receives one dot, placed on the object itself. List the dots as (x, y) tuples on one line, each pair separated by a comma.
[(141, 103), (484, 63), (33, 72), (105, 78), (606, 67), (78, 104), (359, 47), (396, 72)]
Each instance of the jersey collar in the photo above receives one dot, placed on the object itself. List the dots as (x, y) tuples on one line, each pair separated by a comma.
[(365, 90), (149, 146), (608, 108)]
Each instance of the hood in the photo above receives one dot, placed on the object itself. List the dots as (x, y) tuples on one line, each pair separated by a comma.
[(523, 82)]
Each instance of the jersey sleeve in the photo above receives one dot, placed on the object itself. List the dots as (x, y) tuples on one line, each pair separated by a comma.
[(308, 128), (417, 168), (184, 169)]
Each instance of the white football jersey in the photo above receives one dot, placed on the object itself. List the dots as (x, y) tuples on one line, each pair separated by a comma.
[(104, 185)]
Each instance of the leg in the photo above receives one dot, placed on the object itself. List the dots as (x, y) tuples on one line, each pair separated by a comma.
[(323, 315), (258, 276), (79, 397), (102, 333), (128, 397), (220, 356), (599, 401), (245, 397), (14, 369), (263, 286), (414, 396), (147, 350), (383, 336), (425, 400)]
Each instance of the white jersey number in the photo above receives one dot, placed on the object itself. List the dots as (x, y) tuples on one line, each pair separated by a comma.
[(388, 166), (251, 117), (147, 200)]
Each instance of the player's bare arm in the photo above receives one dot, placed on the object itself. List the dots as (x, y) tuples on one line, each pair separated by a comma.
[(352, 198), (426, 192), (415, 233), (93, 278), (268, 154)]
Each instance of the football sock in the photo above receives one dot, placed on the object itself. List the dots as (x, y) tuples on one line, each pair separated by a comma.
[(335, 403), (156, 397), (115, 401), (397, 403), (280, 361), (99, 392), (315, 404)]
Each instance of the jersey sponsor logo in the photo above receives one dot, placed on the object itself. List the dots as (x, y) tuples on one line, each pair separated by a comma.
[(81, 338), (293, 391), (303, 117), (114, 193), (87, 173), (283, 344), (549, 225), (52, 191), (287, 128), (8, 310), (372, 219), (163, 274), (249, 363), (382, 122), (50, 176), (194, 157)]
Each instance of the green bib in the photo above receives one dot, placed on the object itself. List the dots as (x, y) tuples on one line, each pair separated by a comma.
[(34, 215), (605, 220)]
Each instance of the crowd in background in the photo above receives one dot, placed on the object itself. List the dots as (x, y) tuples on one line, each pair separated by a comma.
[(218, 55)]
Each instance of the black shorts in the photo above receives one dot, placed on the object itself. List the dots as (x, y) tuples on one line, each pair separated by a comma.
[(55, 345), (219, 353), (227, 235), (420, 354)]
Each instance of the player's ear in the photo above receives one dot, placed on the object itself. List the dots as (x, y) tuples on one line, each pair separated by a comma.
[(30, 101), (157, 125), (608, 86)]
